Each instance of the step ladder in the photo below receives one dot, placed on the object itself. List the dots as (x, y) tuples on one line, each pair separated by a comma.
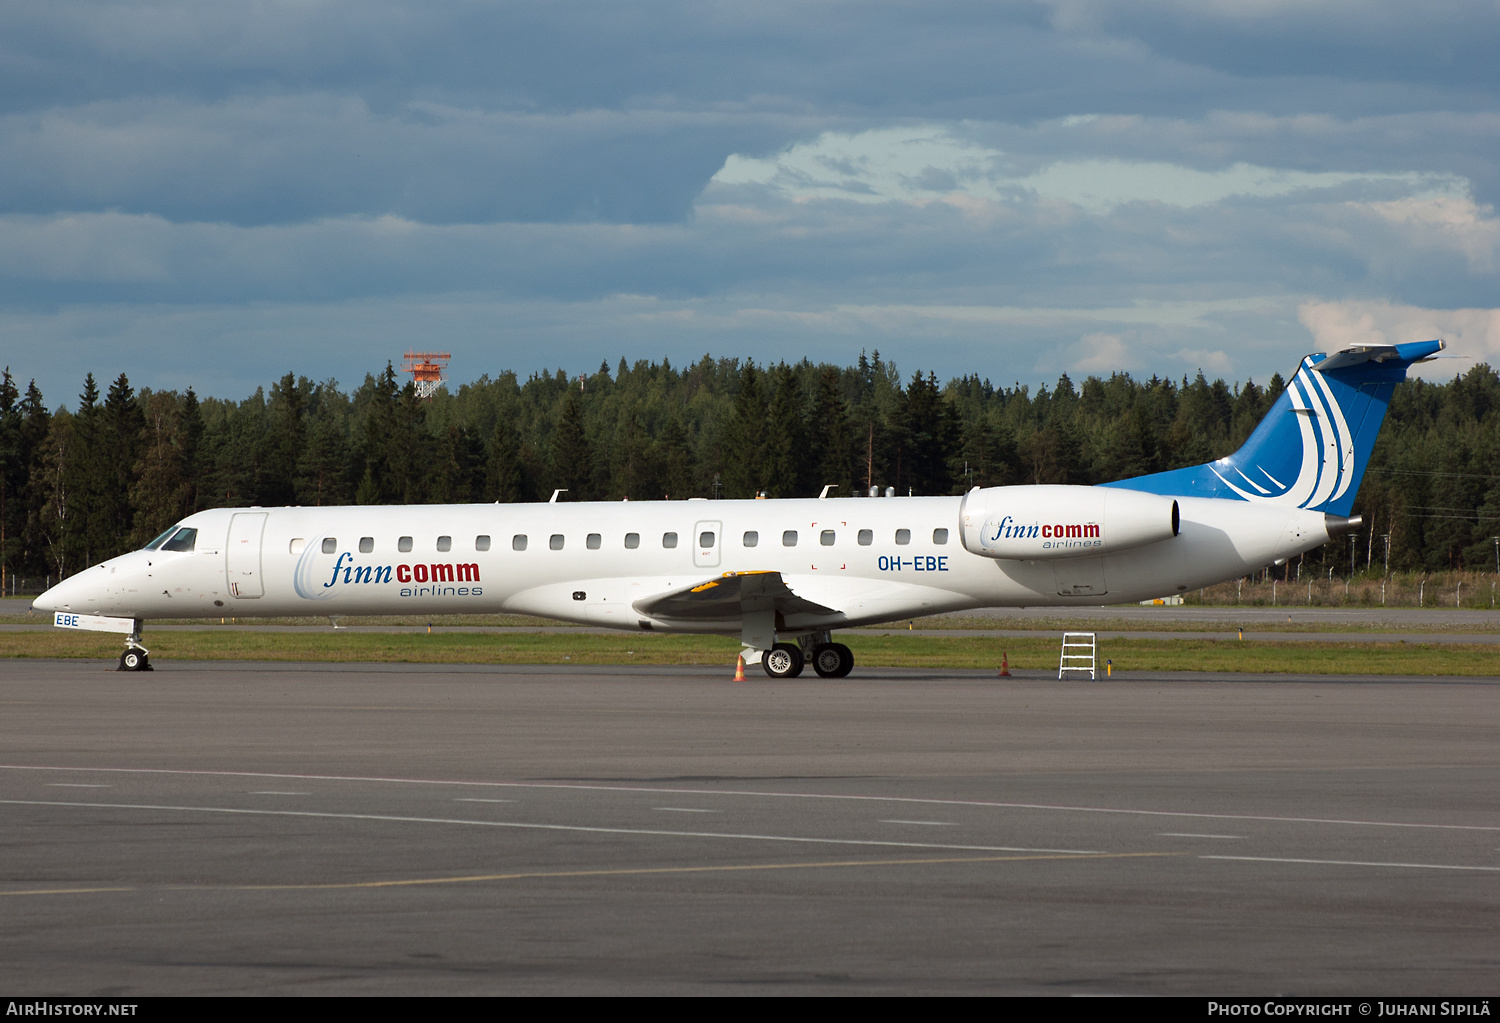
[(1079, 653)]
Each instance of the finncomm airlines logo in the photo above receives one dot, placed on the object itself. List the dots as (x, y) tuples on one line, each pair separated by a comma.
[(415, 580), (1054, 535)]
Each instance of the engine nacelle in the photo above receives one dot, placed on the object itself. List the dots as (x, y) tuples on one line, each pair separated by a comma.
[(1044, 522)]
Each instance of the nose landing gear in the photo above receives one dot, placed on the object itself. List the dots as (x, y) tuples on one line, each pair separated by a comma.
[(135, 657)]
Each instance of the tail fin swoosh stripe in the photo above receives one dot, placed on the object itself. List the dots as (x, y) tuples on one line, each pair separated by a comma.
[(1307, 476), (1337, 404), (1343, 438), (1328, 447)]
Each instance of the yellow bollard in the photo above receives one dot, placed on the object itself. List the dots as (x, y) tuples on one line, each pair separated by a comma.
[(1109, 669), (1242, 635)]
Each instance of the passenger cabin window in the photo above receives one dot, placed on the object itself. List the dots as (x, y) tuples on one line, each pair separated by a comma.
[(903, 536), (297, 546), (706, 539), (445, 543), (556, 543), (154, 544), (184, 540), (366, 544), (789, 538), (939, 536), (752, 538), (518, 542), (632, 541), (481, 543), (669, 539), (404, 544), (594, 541), (866, 537), (330, 545), (826, 538)]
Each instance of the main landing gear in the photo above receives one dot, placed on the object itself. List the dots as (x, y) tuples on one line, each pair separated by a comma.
[(829, 660), (135, 657)]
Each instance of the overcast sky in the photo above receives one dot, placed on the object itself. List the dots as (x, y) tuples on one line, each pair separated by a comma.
[(215, 194)]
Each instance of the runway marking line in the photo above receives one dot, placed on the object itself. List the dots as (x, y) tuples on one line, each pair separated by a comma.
[(1189, 834), (1352, 863), (69, 891), (627, 871), (801, 839), (993, 804), (617, 872)]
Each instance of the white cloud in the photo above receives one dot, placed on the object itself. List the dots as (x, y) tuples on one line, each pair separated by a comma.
[(1447, 222), (918, 164), (1101, 353)]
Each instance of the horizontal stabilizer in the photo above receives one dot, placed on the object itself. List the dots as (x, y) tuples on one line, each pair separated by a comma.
[(729, 597)]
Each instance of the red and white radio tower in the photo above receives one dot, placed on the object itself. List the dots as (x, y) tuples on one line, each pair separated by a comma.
[(427, 370)]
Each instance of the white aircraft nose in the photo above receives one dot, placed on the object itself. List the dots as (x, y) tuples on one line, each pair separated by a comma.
[(58, 598), (75, 593)]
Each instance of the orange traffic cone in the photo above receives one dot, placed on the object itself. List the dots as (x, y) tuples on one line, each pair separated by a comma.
[(739, 668), (1004, 665)]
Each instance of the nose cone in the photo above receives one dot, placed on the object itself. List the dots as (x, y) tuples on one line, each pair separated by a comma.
[(65, 596)]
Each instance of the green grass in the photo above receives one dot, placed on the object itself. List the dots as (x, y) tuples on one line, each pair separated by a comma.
[(1129, 655)]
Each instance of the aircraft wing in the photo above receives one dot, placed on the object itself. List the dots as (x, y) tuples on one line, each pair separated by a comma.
[(729, 596)]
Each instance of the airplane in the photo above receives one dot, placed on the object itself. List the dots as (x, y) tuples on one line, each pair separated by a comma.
[(780, 575)]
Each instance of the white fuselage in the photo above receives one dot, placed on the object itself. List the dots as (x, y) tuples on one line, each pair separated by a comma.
[(576, 564)]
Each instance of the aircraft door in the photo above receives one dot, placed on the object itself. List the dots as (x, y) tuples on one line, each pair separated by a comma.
[(242, 555), (706, 554)]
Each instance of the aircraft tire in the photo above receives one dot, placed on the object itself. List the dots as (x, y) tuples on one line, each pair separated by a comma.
[(784, 660), (134, 660), (833, 660), (826, 660)]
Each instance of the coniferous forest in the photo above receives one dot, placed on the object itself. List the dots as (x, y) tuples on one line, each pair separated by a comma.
[(102, 474)]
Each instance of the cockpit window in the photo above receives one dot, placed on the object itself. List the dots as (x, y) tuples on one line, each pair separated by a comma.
[(159, 540), (184, 540)]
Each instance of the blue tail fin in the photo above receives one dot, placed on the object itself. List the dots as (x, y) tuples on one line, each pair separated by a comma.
[(1312, 448)]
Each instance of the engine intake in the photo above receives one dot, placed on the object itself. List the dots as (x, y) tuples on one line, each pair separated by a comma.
[(1044, 522)]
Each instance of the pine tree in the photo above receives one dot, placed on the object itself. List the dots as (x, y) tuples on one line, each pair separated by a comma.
[(786, 436), (503, 469), (159, 494), (927, 431), (831, 445), (11, 469), (746, 438), (572, 457)]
